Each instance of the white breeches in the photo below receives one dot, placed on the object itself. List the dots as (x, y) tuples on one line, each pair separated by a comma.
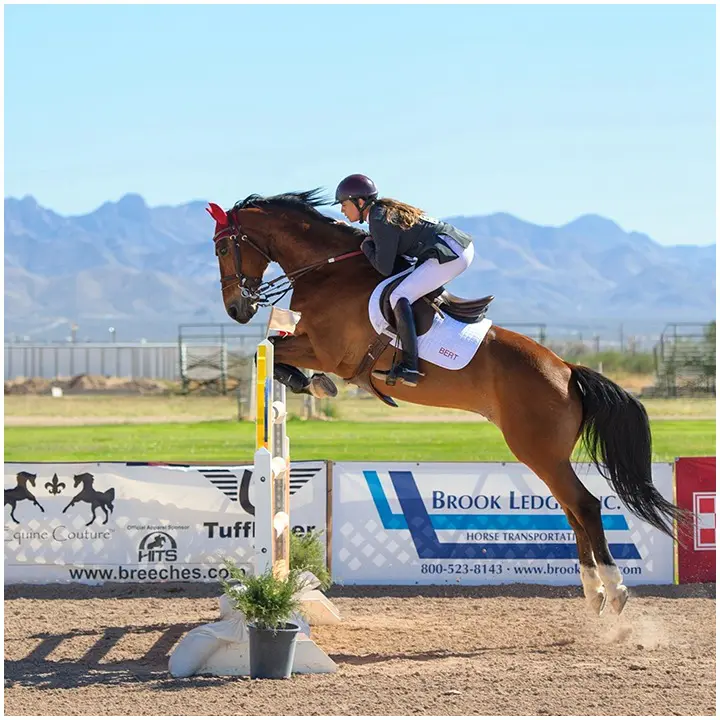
[(431, 274)]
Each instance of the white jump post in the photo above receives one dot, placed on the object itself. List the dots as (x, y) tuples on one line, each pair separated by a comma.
[(271, 472), (271, 481)]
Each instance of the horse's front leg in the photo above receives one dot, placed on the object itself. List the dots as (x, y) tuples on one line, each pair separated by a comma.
[(293, 378), (292, 351)]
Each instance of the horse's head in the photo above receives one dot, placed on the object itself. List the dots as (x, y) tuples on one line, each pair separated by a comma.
[(287, 229), (242, 260), (82, 478), (26, 477)]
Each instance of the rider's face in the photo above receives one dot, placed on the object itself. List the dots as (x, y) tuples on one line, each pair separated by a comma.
[(350, 211)]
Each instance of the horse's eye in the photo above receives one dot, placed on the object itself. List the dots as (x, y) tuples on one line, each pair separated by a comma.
[(223, 251)]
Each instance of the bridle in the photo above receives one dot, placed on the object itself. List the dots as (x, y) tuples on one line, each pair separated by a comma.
[(250, 287), (254, 289)]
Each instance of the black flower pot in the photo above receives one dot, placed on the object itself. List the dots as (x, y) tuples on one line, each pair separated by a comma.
[(272, 651)]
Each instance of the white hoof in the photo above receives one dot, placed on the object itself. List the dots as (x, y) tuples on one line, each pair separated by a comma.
[(617, 603), (596, 601)]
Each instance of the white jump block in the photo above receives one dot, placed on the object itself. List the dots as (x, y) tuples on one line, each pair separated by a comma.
[(234, 659), (223, 648), (319, 610)]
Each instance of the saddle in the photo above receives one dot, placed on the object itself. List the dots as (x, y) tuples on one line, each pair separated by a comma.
[(438, 301)]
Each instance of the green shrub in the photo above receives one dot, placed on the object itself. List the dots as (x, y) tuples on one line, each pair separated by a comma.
[(264, 600), (307, 553)]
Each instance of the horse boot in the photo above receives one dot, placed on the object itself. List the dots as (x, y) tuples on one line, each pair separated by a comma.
[(407, 369), (292, 378), (319, 385)]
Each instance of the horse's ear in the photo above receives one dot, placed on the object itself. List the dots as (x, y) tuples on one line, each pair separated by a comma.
[(217, 214)]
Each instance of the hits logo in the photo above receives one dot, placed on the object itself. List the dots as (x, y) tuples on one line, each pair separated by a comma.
[(157, 547)]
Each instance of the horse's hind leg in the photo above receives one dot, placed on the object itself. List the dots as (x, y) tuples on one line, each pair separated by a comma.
[(92, 520), (567, 492), (545, 447), (539, 411), (585, 507), (591, 582), (12, 513), (588, 513)]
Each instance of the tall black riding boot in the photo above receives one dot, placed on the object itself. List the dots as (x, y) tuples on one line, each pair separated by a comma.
[(407, 370)]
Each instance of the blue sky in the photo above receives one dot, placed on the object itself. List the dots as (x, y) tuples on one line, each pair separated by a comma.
[(545, 112)]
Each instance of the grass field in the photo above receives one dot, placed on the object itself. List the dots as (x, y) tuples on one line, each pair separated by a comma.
[(342, 440), (109, 409)]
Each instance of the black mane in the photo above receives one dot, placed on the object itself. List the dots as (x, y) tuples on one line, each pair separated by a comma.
[(305, 202)]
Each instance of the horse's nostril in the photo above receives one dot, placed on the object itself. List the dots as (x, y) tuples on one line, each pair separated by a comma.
[(232, 312)]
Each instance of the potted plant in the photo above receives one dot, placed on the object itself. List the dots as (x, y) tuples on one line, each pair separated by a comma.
[(268, 604), (308, 553)]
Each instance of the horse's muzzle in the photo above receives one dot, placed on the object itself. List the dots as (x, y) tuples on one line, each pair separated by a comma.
[(242, 310)]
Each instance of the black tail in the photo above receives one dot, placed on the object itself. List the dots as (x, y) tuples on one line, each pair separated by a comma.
[(616, 435)]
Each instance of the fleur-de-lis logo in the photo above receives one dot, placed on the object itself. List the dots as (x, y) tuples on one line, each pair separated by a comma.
[(55, 486)]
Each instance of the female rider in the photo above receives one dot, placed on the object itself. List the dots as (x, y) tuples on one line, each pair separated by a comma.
[(440, 250)]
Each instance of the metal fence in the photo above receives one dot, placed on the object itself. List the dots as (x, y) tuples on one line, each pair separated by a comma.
[(194, 356), (54, 360), (217, 358), (685, 360)]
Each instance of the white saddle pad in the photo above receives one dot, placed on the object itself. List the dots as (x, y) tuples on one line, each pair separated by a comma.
[(448, 343)]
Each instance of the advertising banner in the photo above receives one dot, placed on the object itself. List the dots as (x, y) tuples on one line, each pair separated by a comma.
[(139, 522), (478, 523), (695, 487)]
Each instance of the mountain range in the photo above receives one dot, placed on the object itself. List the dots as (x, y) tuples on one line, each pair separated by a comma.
[(145, 270)]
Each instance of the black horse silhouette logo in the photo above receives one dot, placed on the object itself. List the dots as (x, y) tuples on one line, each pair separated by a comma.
[(97, 499), (157, 542), (20, 493)]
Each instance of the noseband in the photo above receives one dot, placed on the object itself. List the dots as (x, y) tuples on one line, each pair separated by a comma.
[(261, 293)]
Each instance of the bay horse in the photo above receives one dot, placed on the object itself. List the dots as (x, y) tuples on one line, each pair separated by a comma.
[(541, 404)]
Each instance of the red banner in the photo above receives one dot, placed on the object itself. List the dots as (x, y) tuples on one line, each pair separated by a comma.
[(695, 488)]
